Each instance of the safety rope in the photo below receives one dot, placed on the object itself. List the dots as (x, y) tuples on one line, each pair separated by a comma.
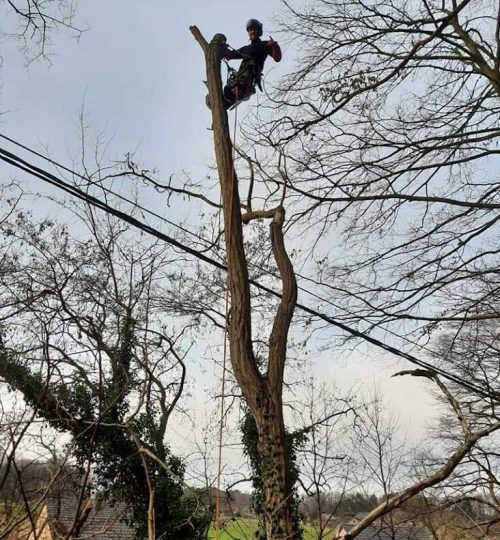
[(218, 502)]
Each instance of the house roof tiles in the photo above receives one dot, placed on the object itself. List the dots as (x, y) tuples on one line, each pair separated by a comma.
[(105, 521), (397, 533)]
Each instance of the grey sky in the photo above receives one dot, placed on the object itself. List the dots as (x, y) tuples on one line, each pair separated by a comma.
[(139, 71)]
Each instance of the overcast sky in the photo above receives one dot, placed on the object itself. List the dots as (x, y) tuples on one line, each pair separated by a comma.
[(139, 72)]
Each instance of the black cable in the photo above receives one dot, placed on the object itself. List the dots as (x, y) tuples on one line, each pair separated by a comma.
[(208, 244), (99, 185), (94, 201), (77, 192)]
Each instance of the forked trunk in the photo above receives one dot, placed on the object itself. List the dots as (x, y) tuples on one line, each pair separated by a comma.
[(263, 393)]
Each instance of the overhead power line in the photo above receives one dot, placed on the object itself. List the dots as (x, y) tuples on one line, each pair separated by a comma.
[(209, 245), (105, 189), (75, 191), (14, 160)]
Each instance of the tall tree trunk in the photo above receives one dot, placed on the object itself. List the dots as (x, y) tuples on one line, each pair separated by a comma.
[(272, 449), (262, 392)]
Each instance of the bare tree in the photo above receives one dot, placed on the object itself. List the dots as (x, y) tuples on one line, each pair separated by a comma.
[(31, 23), (440, 470), (382, 451), (87, 347), (389, 130), (471, 493), (325, 458), (33, 468), (357, 171), (352, 155)]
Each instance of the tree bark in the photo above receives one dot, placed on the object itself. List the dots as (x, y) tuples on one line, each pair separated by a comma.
[(262, 392)]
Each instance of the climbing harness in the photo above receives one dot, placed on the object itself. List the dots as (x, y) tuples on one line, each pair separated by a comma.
[(239, 79)]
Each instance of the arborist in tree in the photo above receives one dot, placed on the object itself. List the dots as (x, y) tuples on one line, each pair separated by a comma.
[(241, 83)]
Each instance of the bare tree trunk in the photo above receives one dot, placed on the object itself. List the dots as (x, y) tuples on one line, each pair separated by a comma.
[(263, 393)]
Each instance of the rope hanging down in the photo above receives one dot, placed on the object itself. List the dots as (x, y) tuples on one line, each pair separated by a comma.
[(218, 502)]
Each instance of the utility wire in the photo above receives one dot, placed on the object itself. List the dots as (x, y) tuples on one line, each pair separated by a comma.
[(209, 245), (94, 201), (105, 189), (19, 163), (77, 192)]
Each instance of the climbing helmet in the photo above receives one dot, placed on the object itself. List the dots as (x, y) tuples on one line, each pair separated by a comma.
[(254, 23)]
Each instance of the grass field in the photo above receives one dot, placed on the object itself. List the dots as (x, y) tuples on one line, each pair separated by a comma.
[(244, 529), (241, 529)]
